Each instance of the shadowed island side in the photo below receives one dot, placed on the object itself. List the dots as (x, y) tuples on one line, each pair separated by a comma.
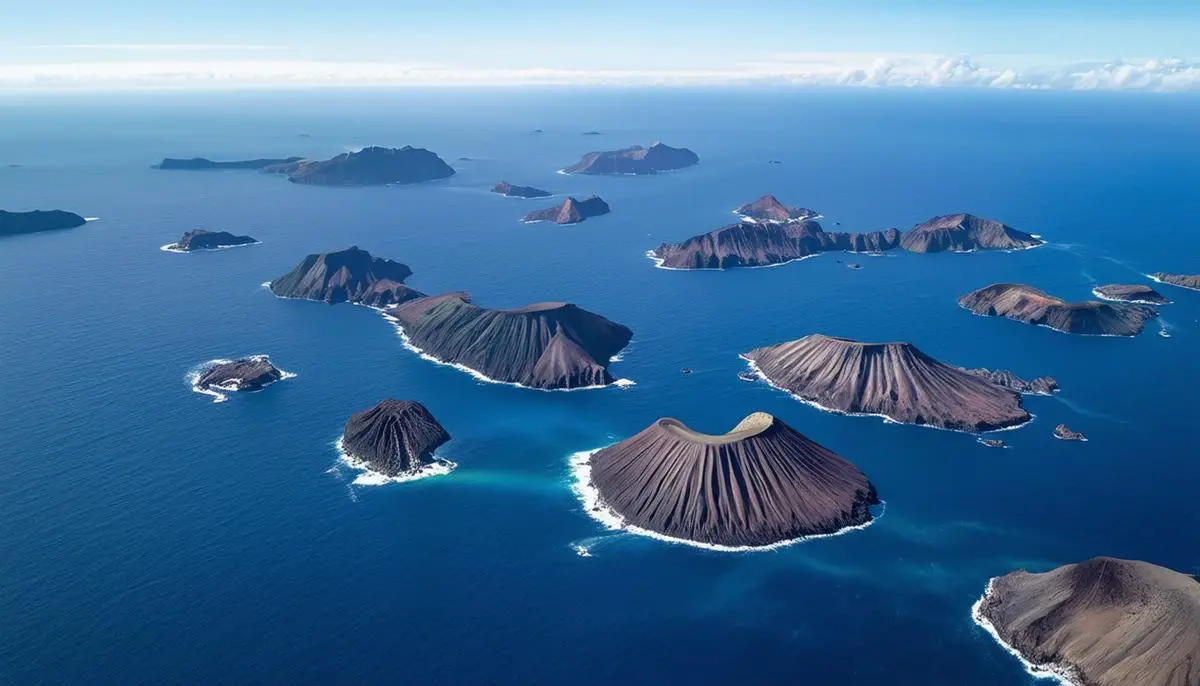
[(202, 239), (1104, 622), (1032, 306), (36, 221), (547, 346), (895, 380), (761, 484), (372, 166), (570, 211), (965, 233), (394, 438), (351, 275)]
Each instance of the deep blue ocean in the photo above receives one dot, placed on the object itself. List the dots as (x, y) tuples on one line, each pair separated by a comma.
[(150, 536)]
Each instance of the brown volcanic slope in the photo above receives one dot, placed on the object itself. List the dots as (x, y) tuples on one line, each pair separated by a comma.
[(755, 244), (1113, 622), (394, 437), (1028, 304), (963, 233), (1191, 281), (1130, 293), (892, 379), (768, 208), (350, 275), (544, 345), (759, 484)]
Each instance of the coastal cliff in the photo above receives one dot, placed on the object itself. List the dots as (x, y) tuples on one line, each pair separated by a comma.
[(1032, 306), (965, 233)]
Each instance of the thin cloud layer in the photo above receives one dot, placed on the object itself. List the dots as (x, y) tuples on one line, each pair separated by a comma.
[(795, 70)]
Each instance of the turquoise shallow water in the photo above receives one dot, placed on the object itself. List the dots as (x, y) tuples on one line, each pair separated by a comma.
[(151, 536)]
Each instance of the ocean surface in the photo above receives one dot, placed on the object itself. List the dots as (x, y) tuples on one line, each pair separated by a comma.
[(150, 536)]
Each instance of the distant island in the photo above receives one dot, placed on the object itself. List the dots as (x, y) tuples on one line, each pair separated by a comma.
[(351, 275), (571, 211), (201, 239), (15, 223), (634, 160), (374, 166), (762, 244), (243, 375), (893, 380), (1063, 432), (769, 209), (203, 164), (510, 191), (762, 484), (965, 233), (1104, 622), (1028, 304), (1130, 293), (1042, 385), (394, 438), (545, 346), (591, 133), (1191, 281)]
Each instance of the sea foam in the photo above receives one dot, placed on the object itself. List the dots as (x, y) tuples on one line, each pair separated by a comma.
[(193, 375), (368, 477)]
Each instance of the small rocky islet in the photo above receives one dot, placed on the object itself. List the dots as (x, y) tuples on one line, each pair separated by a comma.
[(37, 221), (769, 209), (352, 275), (1130, 293), (202, 239), (764, 484), (634, 160), (547, 346), (243, 375), (893, 380), (1103, 622), (508, 190), (1029, 305), (393, 438), (1190, 281), (1065, 433), (570, 211)]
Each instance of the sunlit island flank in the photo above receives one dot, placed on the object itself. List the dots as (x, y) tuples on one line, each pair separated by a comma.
[(1190, 281), (891, 380), (1104, 622), (570, 211), (1032, 306), (759, 486), (634, 160)]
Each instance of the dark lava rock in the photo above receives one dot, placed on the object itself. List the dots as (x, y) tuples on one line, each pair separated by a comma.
[(508, 190), (1028, 304), (350, 275), (1191, 281), (895, 380), (634, 160), (202, 164), (964, 233), (1130, 293), (1063, 432), (1042, 385), (395, 437), (13, 223), (760, 484), (201, 239), (571, 211), (246, 374), (1104, 622), (544, 345), (768, 208), (993, 442), (747, 376), (374, 166), (761, 244)]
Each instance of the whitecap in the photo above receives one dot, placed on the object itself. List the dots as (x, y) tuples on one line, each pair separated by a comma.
[(91, 219), (595, 507), (174, 247), (1096, 292)]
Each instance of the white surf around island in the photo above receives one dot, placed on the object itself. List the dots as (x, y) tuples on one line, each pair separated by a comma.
[(479, 376), (747, 218), (595, 507), (658, 264), (219, 392), (369, 477), (91, 219), (1096, 292), (1063, 673), (886, 419), (174, 247)]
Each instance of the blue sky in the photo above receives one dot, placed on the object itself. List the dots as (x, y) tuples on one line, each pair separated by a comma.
[(662, 36)]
